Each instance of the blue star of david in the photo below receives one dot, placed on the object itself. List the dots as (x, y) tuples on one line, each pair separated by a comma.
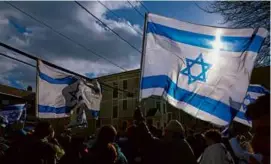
[(250, 100), (190, 63)]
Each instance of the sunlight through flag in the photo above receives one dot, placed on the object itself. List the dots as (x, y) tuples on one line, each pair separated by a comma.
[(202, 70)]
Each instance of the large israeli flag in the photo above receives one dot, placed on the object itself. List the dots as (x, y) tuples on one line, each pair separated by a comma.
[(253, 93), (199, 69), (56, 92)]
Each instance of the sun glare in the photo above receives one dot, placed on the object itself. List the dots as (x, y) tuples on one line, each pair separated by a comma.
[(217, 44)]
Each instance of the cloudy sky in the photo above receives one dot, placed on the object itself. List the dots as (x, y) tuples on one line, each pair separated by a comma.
[(87, 34)]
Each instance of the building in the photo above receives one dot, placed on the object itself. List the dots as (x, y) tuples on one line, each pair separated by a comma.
[(118, 106)]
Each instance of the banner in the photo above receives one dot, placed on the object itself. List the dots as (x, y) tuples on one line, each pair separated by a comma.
[(61, 94), (13, 113), (202, 70)]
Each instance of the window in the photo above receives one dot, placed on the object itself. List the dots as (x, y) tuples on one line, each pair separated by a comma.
[(115, 111), (115, 91), (164, 108), (124, 105), (158, 124), (125, 85), (158, 105), (169, 116)]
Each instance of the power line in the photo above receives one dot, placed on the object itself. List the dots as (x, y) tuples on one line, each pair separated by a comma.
[(135, 9), (117, 16), (144, 6), (64, 36), (7, 56), (155, 29), (104, 24), (55, 66)]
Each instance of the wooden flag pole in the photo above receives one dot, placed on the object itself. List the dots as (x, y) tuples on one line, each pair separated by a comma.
[(142, 62)]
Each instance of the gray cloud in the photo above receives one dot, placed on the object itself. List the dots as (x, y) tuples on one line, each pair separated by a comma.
[(74, 22)]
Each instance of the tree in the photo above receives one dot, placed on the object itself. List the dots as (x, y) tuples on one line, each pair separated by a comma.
[(246, 14)]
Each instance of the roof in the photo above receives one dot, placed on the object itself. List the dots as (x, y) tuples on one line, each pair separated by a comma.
[(14, 92)]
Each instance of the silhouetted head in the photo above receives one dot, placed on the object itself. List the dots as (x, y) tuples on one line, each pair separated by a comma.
[(107, 134), (212, 136), (29, 88), (259, 112), (174, 129), (44, 129)]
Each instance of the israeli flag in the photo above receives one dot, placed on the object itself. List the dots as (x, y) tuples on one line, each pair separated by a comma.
[(78, 116), (254, 91), (199, 69), (91, 95), (56, 92), (12, 113)]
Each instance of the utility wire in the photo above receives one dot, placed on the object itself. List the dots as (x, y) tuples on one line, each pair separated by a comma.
[(104, 24), (64, 36), (18, 60), (135, 9), (155, 29), (54, 66), (144, 6), (117, 16)]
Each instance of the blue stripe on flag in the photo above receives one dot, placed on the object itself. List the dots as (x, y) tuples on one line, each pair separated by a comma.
[(50, 109), (234, 44), (95, 113), (67, 80), (242, 116), (257, 89), (206, 104)]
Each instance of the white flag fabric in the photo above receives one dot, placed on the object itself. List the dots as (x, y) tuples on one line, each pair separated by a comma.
[(254, 91), (91, 96), (78, 116), (89, 99), (60, 92), (56, 92), (199, 69)]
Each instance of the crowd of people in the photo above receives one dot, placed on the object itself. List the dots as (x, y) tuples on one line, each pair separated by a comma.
[(142, 143)]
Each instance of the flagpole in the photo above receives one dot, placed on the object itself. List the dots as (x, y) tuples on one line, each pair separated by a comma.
[(142, 58), (37, 89)]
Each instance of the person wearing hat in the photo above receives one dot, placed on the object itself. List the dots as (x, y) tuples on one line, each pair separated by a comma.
[(173, 148)]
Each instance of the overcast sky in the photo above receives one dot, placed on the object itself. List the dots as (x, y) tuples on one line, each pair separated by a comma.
[(22, 32)]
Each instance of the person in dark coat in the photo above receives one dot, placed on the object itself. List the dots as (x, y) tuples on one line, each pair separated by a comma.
[(152, 128), (37, 149), (105, 150), (173, 148), (197, 143), (259, 113)]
